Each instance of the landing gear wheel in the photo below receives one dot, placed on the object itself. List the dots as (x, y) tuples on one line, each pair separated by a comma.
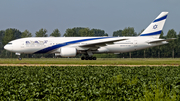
[(94, 58), (86, 58), (19, 58), (82, 58), (90, 58)]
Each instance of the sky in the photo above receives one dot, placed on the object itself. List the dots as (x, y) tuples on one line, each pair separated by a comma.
[(107, 15)]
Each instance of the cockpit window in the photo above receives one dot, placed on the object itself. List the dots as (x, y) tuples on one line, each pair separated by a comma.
[(9, 43)]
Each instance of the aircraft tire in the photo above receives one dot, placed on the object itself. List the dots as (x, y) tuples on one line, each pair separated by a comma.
[(82, 58), (94, 58), (90, 58), (86, 58)]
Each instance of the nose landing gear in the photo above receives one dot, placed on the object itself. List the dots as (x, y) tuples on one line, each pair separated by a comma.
[(19, 56)]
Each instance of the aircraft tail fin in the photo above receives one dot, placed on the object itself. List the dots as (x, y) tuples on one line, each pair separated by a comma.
[(155, 28)]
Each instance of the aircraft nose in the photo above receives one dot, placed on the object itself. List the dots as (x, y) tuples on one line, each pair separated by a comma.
[(7, 47)]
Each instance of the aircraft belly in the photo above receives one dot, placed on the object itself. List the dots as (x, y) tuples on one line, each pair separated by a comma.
[(29, 50), (120, 48)]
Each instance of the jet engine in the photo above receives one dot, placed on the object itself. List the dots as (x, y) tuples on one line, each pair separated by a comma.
[(66, 52)]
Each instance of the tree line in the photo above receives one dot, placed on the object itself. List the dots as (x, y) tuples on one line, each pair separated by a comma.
[(171, 50)]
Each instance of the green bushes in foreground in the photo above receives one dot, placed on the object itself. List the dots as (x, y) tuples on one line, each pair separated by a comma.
[(90, 83)]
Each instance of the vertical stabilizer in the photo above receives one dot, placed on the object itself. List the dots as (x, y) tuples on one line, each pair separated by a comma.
[(155, 28)]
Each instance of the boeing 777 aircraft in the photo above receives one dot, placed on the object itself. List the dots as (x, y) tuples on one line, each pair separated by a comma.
[(71, 46)]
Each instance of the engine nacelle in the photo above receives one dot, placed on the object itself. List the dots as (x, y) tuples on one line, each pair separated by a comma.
[(67, 52)]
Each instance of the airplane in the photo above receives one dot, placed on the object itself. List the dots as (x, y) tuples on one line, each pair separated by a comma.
[(71, 46)]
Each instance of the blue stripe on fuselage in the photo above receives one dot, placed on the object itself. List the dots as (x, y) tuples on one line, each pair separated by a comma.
[(154, 33), (45, 50), (160, 19)]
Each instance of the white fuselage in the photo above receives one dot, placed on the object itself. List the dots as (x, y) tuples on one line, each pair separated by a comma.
[(35, 45), (71, 46)]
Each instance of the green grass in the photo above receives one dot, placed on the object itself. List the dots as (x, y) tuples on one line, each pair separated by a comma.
[(99, 61)]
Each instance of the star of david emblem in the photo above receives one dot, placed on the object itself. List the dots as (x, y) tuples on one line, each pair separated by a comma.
[(155, 26)]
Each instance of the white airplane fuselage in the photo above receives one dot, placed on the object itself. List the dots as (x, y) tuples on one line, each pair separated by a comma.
[(71, 46), (35, 44)]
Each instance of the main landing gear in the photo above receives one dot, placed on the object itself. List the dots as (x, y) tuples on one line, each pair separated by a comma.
[(88, 58), (19, 56)]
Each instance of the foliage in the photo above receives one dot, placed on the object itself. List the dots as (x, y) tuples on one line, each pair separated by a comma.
[(1, 35), (99, 32), (11, 34), (1, 41), (125, 32), (8, 36), (80, 31), (140, 32), (117, 33), (77, 29), (26, 33), (161, 35), (56, 33), (90, 83), (172, 34), (86, 32), (41, 33), (70, 33), (129, 32)]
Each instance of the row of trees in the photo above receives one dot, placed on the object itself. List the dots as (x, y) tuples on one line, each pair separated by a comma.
[(170, 50), (83, 32)]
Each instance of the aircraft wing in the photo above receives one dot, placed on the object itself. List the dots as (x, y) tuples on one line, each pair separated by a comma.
[(100, 43), (160, 40)]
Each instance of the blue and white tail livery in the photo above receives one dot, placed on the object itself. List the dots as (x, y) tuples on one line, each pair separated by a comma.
[(155, 28)]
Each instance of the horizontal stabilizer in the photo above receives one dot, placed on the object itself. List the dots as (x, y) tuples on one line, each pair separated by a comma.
[(161, 40)]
